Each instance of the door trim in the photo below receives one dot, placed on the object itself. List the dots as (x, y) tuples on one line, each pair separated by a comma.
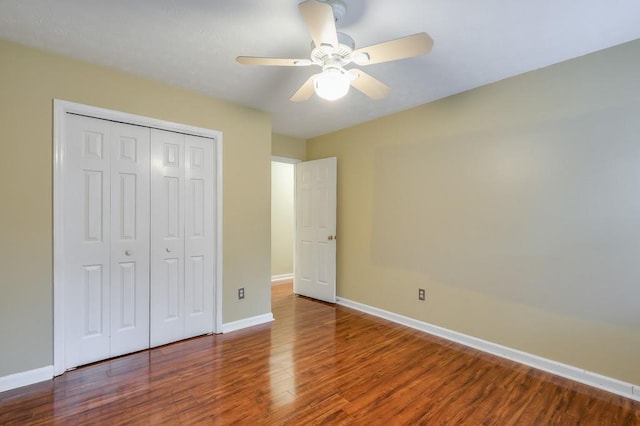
[(285, 160), (60, 109), (294, 161)]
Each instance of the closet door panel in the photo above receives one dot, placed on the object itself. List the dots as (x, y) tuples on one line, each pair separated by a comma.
[(167, 237), (199, 235), (138, 238), (129, 238), (86, 270)]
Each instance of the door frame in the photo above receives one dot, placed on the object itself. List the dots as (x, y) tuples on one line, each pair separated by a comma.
[(60, 109), (295, 162)]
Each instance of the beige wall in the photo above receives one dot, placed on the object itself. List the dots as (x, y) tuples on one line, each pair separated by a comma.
[(29, 81), (515, 205), (288, 147), (282, 217)]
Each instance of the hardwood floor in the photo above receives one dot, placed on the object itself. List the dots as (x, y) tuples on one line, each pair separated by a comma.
[(316, 364)]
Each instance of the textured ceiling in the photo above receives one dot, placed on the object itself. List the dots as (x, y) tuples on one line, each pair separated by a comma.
[(193, 44)]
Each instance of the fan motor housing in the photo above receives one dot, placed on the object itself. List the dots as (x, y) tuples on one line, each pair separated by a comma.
[(321, 55)]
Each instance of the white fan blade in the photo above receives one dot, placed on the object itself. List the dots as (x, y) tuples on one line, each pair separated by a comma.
[(405, 47), (305, 91), (281, 62), (368, 85), (320, 21)]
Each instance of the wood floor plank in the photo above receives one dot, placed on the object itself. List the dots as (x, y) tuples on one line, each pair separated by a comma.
[(316, 364)]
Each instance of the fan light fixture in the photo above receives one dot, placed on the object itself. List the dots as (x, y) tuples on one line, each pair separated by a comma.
[(332, 84), (333, 51)]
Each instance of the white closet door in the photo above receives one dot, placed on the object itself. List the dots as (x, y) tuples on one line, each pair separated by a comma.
[(129, 238), (199, 234), (86, 270), (139, 238), (167, 237)]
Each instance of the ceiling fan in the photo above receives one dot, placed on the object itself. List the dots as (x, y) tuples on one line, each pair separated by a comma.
[(333, 51)]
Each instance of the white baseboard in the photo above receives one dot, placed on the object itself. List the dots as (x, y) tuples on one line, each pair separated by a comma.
[(277, 279), (247, 322), (596, 380), (25, 378)]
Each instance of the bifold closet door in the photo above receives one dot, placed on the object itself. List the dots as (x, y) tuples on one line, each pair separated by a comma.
[(182, 239), (167, 237), (106, 239), (130, 239), (199, 235)]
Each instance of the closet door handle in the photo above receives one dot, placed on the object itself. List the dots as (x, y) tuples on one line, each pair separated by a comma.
[(168, 250), (128, 252)]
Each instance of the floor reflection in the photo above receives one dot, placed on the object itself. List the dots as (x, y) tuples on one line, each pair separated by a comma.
[(294, 344), (281, 363)]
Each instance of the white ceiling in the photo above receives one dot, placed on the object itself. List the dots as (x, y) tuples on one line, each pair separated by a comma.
[(193, 44)]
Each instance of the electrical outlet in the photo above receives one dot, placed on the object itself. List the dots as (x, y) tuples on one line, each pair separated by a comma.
[(421, 294), (241, 293)]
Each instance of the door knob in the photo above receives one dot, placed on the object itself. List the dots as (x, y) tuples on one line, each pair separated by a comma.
[(128, 252), (332, 237), (168, 250)]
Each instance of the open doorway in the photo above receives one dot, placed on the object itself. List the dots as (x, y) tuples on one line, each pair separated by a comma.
[(282, 223)]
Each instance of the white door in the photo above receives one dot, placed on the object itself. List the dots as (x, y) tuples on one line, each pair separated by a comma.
[(106, 216), (167, 237), (135, 259), (129, 238), (182, 236), (199, 228), (315, 255), (87, 246)]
